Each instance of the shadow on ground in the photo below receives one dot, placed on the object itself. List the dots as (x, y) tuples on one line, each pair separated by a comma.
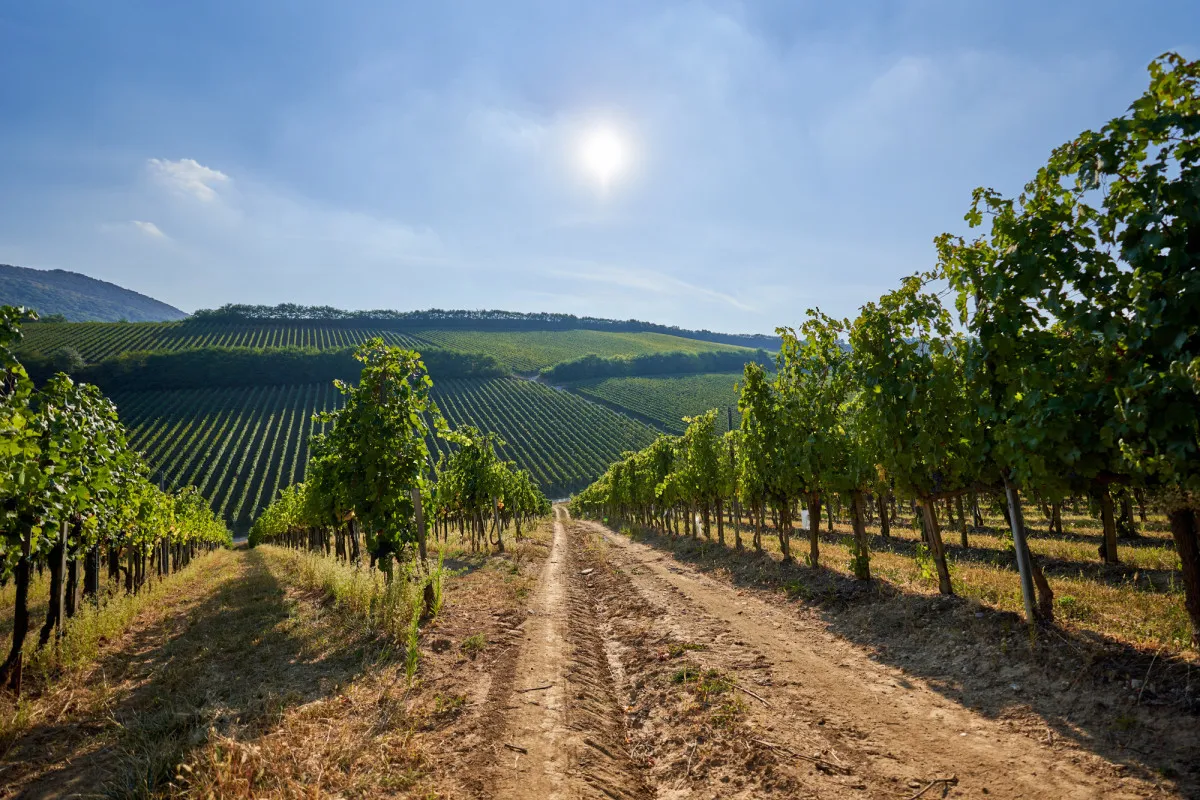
[(1130, 706), (231, 661)]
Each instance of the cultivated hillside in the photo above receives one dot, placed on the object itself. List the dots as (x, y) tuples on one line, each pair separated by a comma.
[(78, 297), (224, 400)]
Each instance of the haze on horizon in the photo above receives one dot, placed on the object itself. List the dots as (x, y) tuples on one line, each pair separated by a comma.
[(719, 165)]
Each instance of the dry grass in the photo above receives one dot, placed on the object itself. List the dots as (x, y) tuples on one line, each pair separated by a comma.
[(1139, 602), (385, 732), (357, 590), (271, 673)]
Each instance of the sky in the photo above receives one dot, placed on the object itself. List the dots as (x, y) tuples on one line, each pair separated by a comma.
[(720, 165)]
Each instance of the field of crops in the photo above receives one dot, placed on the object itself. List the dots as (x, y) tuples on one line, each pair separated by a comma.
[(241, 445), (529, 351), (665, 401), (523, 351), (96, 341)]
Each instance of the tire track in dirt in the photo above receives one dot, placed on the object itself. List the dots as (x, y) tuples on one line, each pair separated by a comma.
[(563, 707), (828, 700)]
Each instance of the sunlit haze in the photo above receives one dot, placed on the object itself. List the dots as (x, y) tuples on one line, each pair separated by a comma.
[(604, 154)]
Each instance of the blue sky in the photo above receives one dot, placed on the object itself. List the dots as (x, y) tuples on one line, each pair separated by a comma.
[(776, 155)]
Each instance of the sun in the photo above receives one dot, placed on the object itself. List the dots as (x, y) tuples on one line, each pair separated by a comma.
[(603, 154)]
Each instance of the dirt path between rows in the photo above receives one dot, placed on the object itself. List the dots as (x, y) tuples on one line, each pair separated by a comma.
[(846, 725), (564, 733)]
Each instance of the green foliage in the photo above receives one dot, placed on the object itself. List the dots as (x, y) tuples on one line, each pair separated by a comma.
[(70, 484), (1085, 295), (412, 649), (699, 458), (925, 565), (473, 645), (473, 482), (1081, 367), (376, 451), (666, 400), (100, 341), (372, 465), (240, 446), (860, 558), (917, 404), (239, 366), (473, 320)]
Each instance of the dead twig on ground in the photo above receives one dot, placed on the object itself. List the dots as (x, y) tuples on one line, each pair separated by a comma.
[(760, 699), (1146, 678), (947, 782), (534, 688), (687, 771), (820, 762), (516, 748)]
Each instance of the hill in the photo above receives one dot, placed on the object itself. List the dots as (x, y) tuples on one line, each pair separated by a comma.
[(240, 445), (523, 351), (664, 400), (224, 400), (78, 297)]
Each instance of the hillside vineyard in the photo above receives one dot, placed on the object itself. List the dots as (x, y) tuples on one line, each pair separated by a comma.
[(240, 445), (521, 351), (96, 341)]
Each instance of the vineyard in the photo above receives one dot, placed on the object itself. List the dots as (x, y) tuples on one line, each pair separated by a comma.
[(522, 351), (561, 439), (239, 446), (529, 351), (665, 401), (96, 341)]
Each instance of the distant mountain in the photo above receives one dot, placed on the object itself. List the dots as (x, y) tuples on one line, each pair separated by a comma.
[(78, 297)]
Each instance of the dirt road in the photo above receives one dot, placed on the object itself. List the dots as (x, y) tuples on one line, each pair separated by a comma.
[(830, 721), (564, 732)]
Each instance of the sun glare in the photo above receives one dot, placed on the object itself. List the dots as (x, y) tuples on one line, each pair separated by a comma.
[(603, 154)]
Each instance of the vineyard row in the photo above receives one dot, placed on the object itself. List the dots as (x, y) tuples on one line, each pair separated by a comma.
[(96, 341), (240, 446)]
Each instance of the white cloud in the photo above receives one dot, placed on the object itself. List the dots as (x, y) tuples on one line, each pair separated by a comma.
[(187, 176), (148, 228), (132, 230)]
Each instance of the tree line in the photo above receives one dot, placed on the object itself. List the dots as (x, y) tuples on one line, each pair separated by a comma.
[(76, 501), (452, 319), (675, 362), (1068, 365), (206, 367), (371, 489)]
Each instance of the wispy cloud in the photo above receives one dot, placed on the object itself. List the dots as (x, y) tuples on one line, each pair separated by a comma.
[(148, 228), (649, 281), (187, 176)]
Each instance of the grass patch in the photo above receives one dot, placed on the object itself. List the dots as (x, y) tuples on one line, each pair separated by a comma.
[(678, 649), (703, 683), (473, 645), (358, 590), (448, 705)]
